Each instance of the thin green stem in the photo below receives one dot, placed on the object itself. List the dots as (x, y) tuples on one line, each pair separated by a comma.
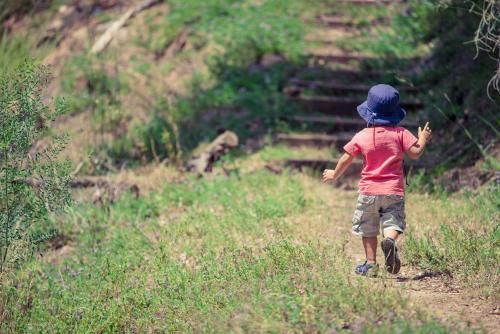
[(7, 221)]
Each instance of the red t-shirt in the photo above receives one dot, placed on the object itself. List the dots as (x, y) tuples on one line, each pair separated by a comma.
[(382, 148)]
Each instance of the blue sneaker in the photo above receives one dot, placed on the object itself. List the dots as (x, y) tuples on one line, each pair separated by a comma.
[(367, 269), (392, 261)]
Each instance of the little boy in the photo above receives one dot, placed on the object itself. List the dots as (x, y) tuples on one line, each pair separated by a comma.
[(381, 188)]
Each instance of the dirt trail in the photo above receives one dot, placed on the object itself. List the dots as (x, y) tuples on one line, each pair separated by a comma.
[(438, 294)]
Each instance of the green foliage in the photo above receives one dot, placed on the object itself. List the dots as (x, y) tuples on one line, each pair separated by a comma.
[(203, 256), (157, 139), (32, 184)]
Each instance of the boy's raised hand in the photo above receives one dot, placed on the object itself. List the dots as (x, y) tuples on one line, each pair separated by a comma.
[(426, 133), (328, 175)]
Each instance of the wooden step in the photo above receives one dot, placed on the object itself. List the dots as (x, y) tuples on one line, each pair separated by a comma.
[(321, 164), (332, 120), (339, 22), (336, 23), (340, 121), (350, 58), (341, 106), (314, 139), (332, 86), (346, 75), (369, 2)]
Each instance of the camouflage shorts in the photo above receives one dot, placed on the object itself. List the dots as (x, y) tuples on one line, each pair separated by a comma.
[(376, 211)]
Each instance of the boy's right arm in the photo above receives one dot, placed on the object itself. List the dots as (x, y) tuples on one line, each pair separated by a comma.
[(335, 174), (424, 136)]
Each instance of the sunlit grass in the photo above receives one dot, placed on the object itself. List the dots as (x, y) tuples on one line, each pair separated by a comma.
[(211, 255)]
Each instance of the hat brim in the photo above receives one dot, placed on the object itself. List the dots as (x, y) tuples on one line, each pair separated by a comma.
[(373, 119)]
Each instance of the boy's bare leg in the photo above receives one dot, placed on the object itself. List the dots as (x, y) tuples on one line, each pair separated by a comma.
[(370, 245), (391, 234)]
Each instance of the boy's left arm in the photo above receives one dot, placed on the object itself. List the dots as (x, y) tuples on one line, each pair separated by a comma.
[(342, 165)]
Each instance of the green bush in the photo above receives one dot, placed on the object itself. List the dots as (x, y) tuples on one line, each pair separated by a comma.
[(32, 184)]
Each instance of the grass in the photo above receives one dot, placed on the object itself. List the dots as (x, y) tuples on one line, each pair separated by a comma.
[(401, 37), (204, 256), (462, 238), (13, 52), (92, 84)]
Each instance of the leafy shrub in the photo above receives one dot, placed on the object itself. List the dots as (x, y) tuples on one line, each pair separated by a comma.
[(33, 184)]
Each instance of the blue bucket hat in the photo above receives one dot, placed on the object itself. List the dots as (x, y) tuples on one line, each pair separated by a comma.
[(382, 106)]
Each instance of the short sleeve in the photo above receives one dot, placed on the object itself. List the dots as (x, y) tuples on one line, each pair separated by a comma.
[(352, 147), (408, 140)]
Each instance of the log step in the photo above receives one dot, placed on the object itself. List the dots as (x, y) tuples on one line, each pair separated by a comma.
[(333, 86), (338, 22), (340, 106), (369, 2), (349, 58), (340, 121), (320, 164), (314, 139), (347, 75)]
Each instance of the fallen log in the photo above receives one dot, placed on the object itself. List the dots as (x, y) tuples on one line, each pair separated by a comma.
[(106, 192), (176, 46), (221, 145), (74, 183), (113, 29)]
